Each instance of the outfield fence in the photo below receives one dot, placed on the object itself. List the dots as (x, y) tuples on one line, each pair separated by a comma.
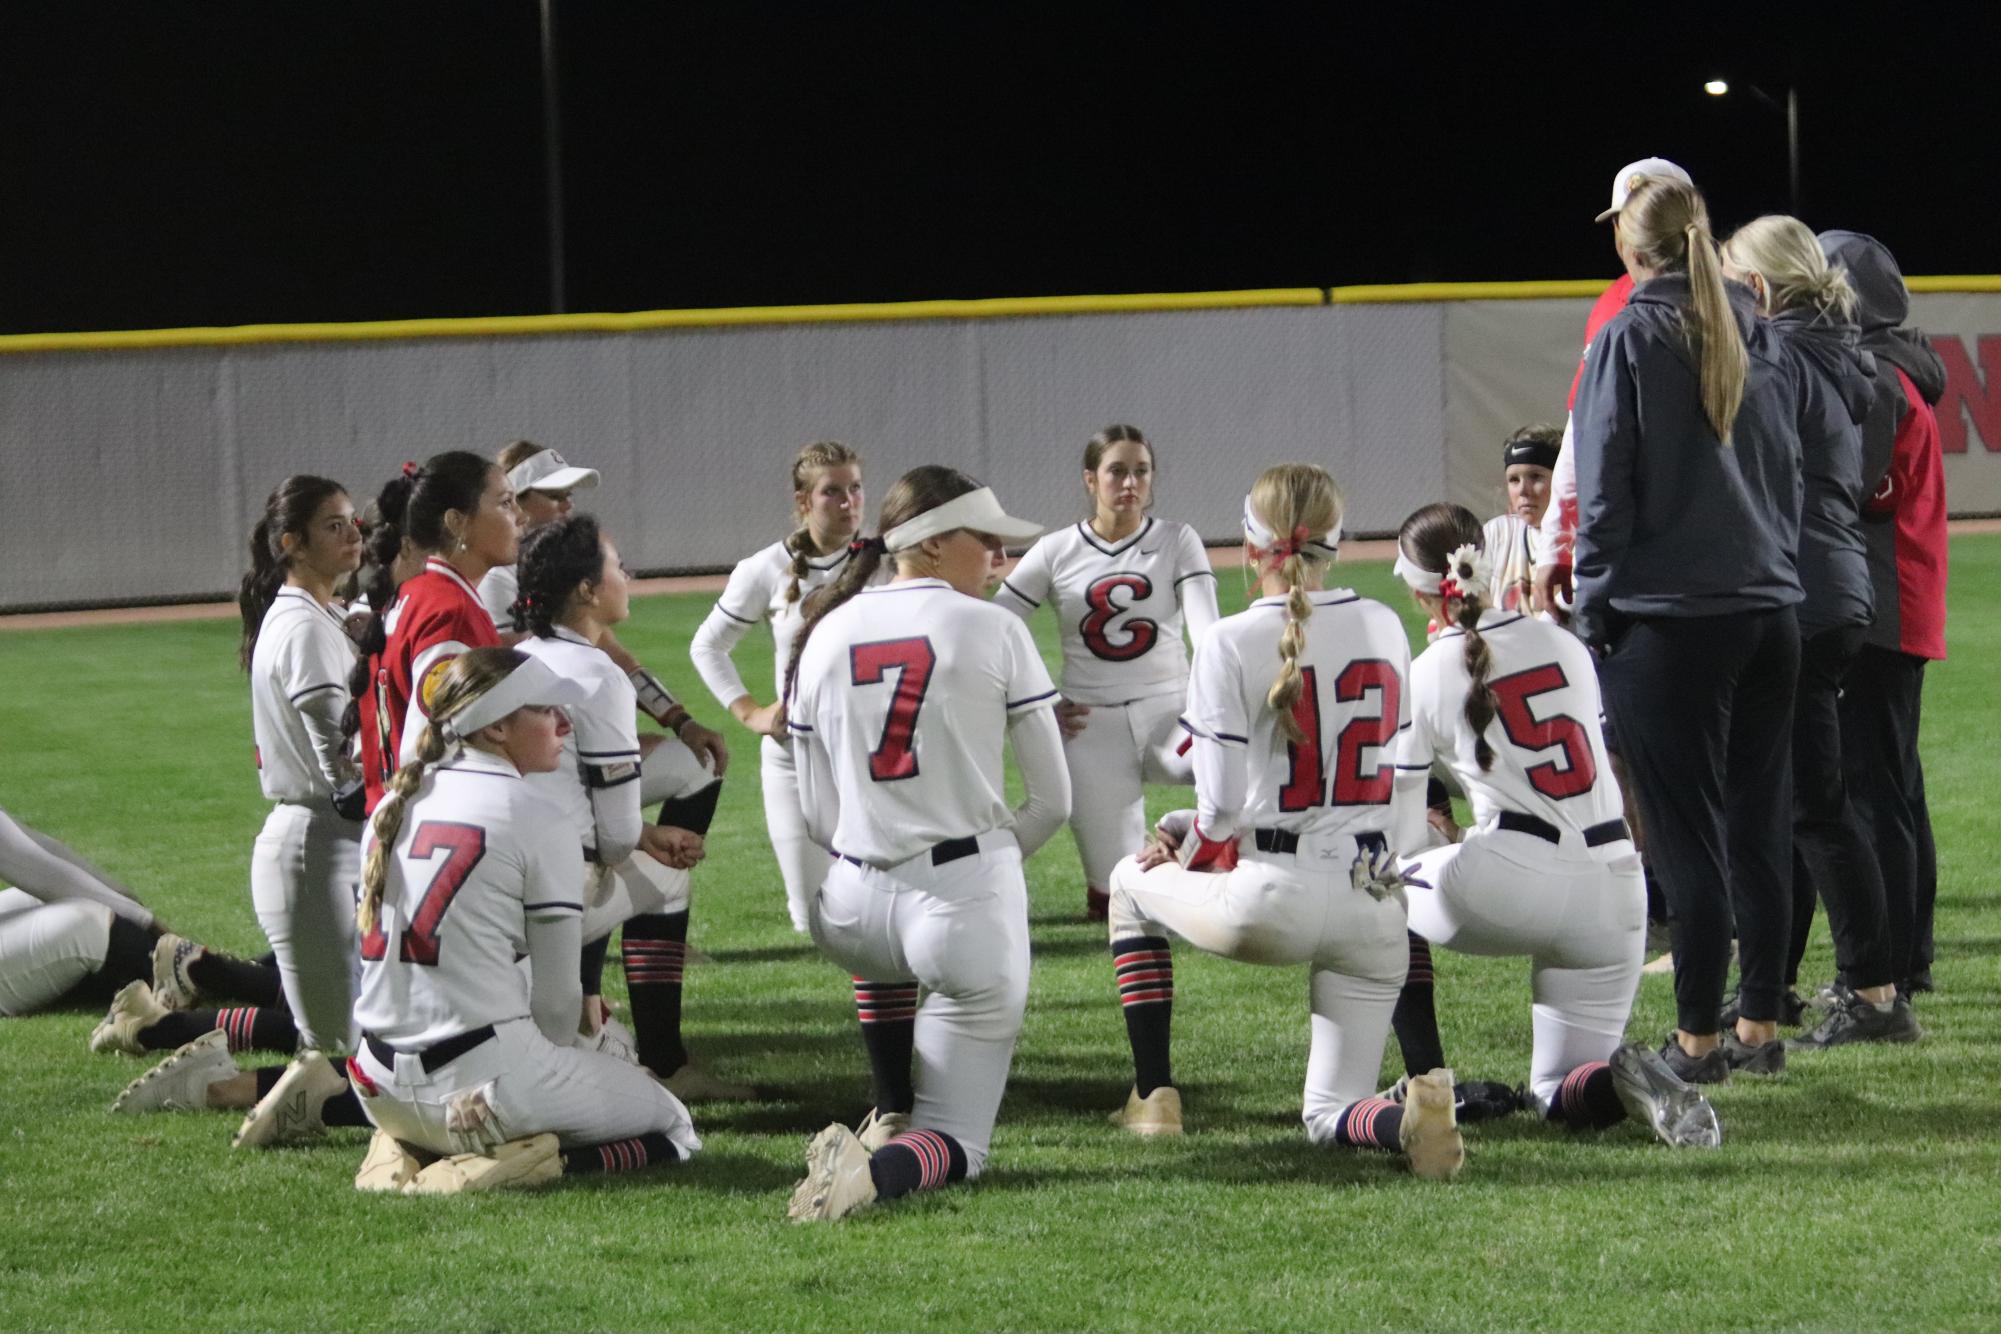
[(135, 462)]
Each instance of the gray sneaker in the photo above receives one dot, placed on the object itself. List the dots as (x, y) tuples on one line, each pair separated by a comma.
[(1708, 1068), (1748, 1058), (1664, 1102), (1852, 1019)]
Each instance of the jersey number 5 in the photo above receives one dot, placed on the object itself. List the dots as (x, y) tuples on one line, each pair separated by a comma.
[(1140, 631), (912, 660), (1579, 771), (1353, 785), (465, 844)]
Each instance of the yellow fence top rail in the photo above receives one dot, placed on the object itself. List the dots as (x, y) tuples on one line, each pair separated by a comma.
[(859, 313)]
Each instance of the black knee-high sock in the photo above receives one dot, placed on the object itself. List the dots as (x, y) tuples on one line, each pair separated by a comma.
[(916, 1160), (1587, 1098), (694, 812), (654, 947), (652, 1149), (128, 957), (1371, 1123), (1145, 970), (1416, 1016), (343, 1108), (888, 1014), (592, 969), (249, 1028), (267, 1079), (224, 977)]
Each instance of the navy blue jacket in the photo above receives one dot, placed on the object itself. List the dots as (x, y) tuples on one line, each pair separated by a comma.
[(1670, 520), (1837, 384)]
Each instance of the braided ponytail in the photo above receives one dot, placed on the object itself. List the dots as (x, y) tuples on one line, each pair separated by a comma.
[(289, 509), (809, 463), (382, 544), (555, 559), (1431, 538), (470, 675), (1297, 500)]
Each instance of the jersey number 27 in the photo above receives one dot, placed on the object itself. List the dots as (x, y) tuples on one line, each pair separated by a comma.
[(464, 845), (1353, 785)]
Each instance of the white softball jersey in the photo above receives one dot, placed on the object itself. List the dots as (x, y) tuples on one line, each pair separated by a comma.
[(904, 696), (497, 591), (597, 785), (1549, 748), (298, 691), (1512, 547), (1119, 605), (755, 595), (484, 870), (1341, 780)]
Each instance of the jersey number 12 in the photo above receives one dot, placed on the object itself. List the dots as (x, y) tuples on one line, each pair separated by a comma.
[(465, 844), (1353, 785)]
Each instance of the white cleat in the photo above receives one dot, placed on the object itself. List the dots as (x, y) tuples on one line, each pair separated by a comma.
[(388, 1166), (132, 1009), (837, 1178), (1430, 1130), (1662, 1101), (879, 1128), (290, 1112), (180, 1083), (519, 1163), (173, 988)]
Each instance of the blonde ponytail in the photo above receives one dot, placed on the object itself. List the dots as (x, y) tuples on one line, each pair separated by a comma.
[(1294, 500), (1666, 226), (1786, 255), (1283, 697)]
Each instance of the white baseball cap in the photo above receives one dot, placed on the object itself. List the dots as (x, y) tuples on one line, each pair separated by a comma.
[(1630, 176), (978, 510), (550, 471)]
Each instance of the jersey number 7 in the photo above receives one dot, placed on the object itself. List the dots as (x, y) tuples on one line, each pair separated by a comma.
[(912, 660), (465, 844), (1353, 786)]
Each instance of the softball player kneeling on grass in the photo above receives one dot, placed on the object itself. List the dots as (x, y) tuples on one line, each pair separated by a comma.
[(1294, 705), (772, 586), (903, 698), (572, 590), (1120, 583), (464, 1057), (1548, 869)]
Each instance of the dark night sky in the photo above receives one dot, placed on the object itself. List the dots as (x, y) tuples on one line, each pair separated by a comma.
[(222, 162)]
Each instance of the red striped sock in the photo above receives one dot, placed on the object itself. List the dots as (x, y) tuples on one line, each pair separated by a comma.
[(1144, 967), (620, 1155), (653, 949), (1369, 1123), (1587, 1098), (653, 962), (237, 1026), (888, 1014), (917, 1160)]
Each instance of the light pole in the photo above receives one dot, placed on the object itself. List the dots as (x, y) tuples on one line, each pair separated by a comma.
[(1790, 109)]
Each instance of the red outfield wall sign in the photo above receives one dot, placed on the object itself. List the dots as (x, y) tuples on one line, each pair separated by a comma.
[(1972, 392)]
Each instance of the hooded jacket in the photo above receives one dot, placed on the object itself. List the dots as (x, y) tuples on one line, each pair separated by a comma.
[(1903, 526), (1672, 521), (1837, 386)]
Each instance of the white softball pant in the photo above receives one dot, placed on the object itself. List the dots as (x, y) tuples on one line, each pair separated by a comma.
[(305, 873), (533, 1087), (47, 948), (639, 884), (671, 770), (1581, 920), (1282, 909), (802, 862), (1122, 747), (960, 931)]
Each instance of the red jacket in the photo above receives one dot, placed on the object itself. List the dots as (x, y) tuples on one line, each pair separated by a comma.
[(436, 616), (1906, 522)]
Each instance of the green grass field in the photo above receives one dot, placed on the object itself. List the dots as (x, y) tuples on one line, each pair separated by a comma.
[(1859, 1193)]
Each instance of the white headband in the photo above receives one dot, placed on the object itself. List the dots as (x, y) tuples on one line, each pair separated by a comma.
[(977, 510), (1325, 547), (1420, 580), (1467, 566), (533, 682)]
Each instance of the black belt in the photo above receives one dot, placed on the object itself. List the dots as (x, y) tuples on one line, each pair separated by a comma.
[(591, 856), (435, 1057), (951, 850), (1596, 836), (1276, 840)]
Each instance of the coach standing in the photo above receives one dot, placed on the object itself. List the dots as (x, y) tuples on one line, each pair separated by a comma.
[(1689, 493), (1904, 526)]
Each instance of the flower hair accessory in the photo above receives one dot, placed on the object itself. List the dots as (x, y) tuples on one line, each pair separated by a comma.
[(1467, 569)]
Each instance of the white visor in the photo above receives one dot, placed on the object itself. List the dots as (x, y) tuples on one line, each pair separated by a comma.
[(550, 471), (1324, 547), (977, 510), (533, 682)]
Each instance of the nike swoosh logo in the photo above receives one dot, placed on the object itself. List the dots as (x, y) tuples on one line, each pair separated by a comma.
[(1154, 552)]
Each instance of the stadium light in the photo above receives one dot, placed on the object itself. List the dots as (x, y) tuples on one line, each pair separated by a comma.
[(1790, 109), (1716, 87)]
